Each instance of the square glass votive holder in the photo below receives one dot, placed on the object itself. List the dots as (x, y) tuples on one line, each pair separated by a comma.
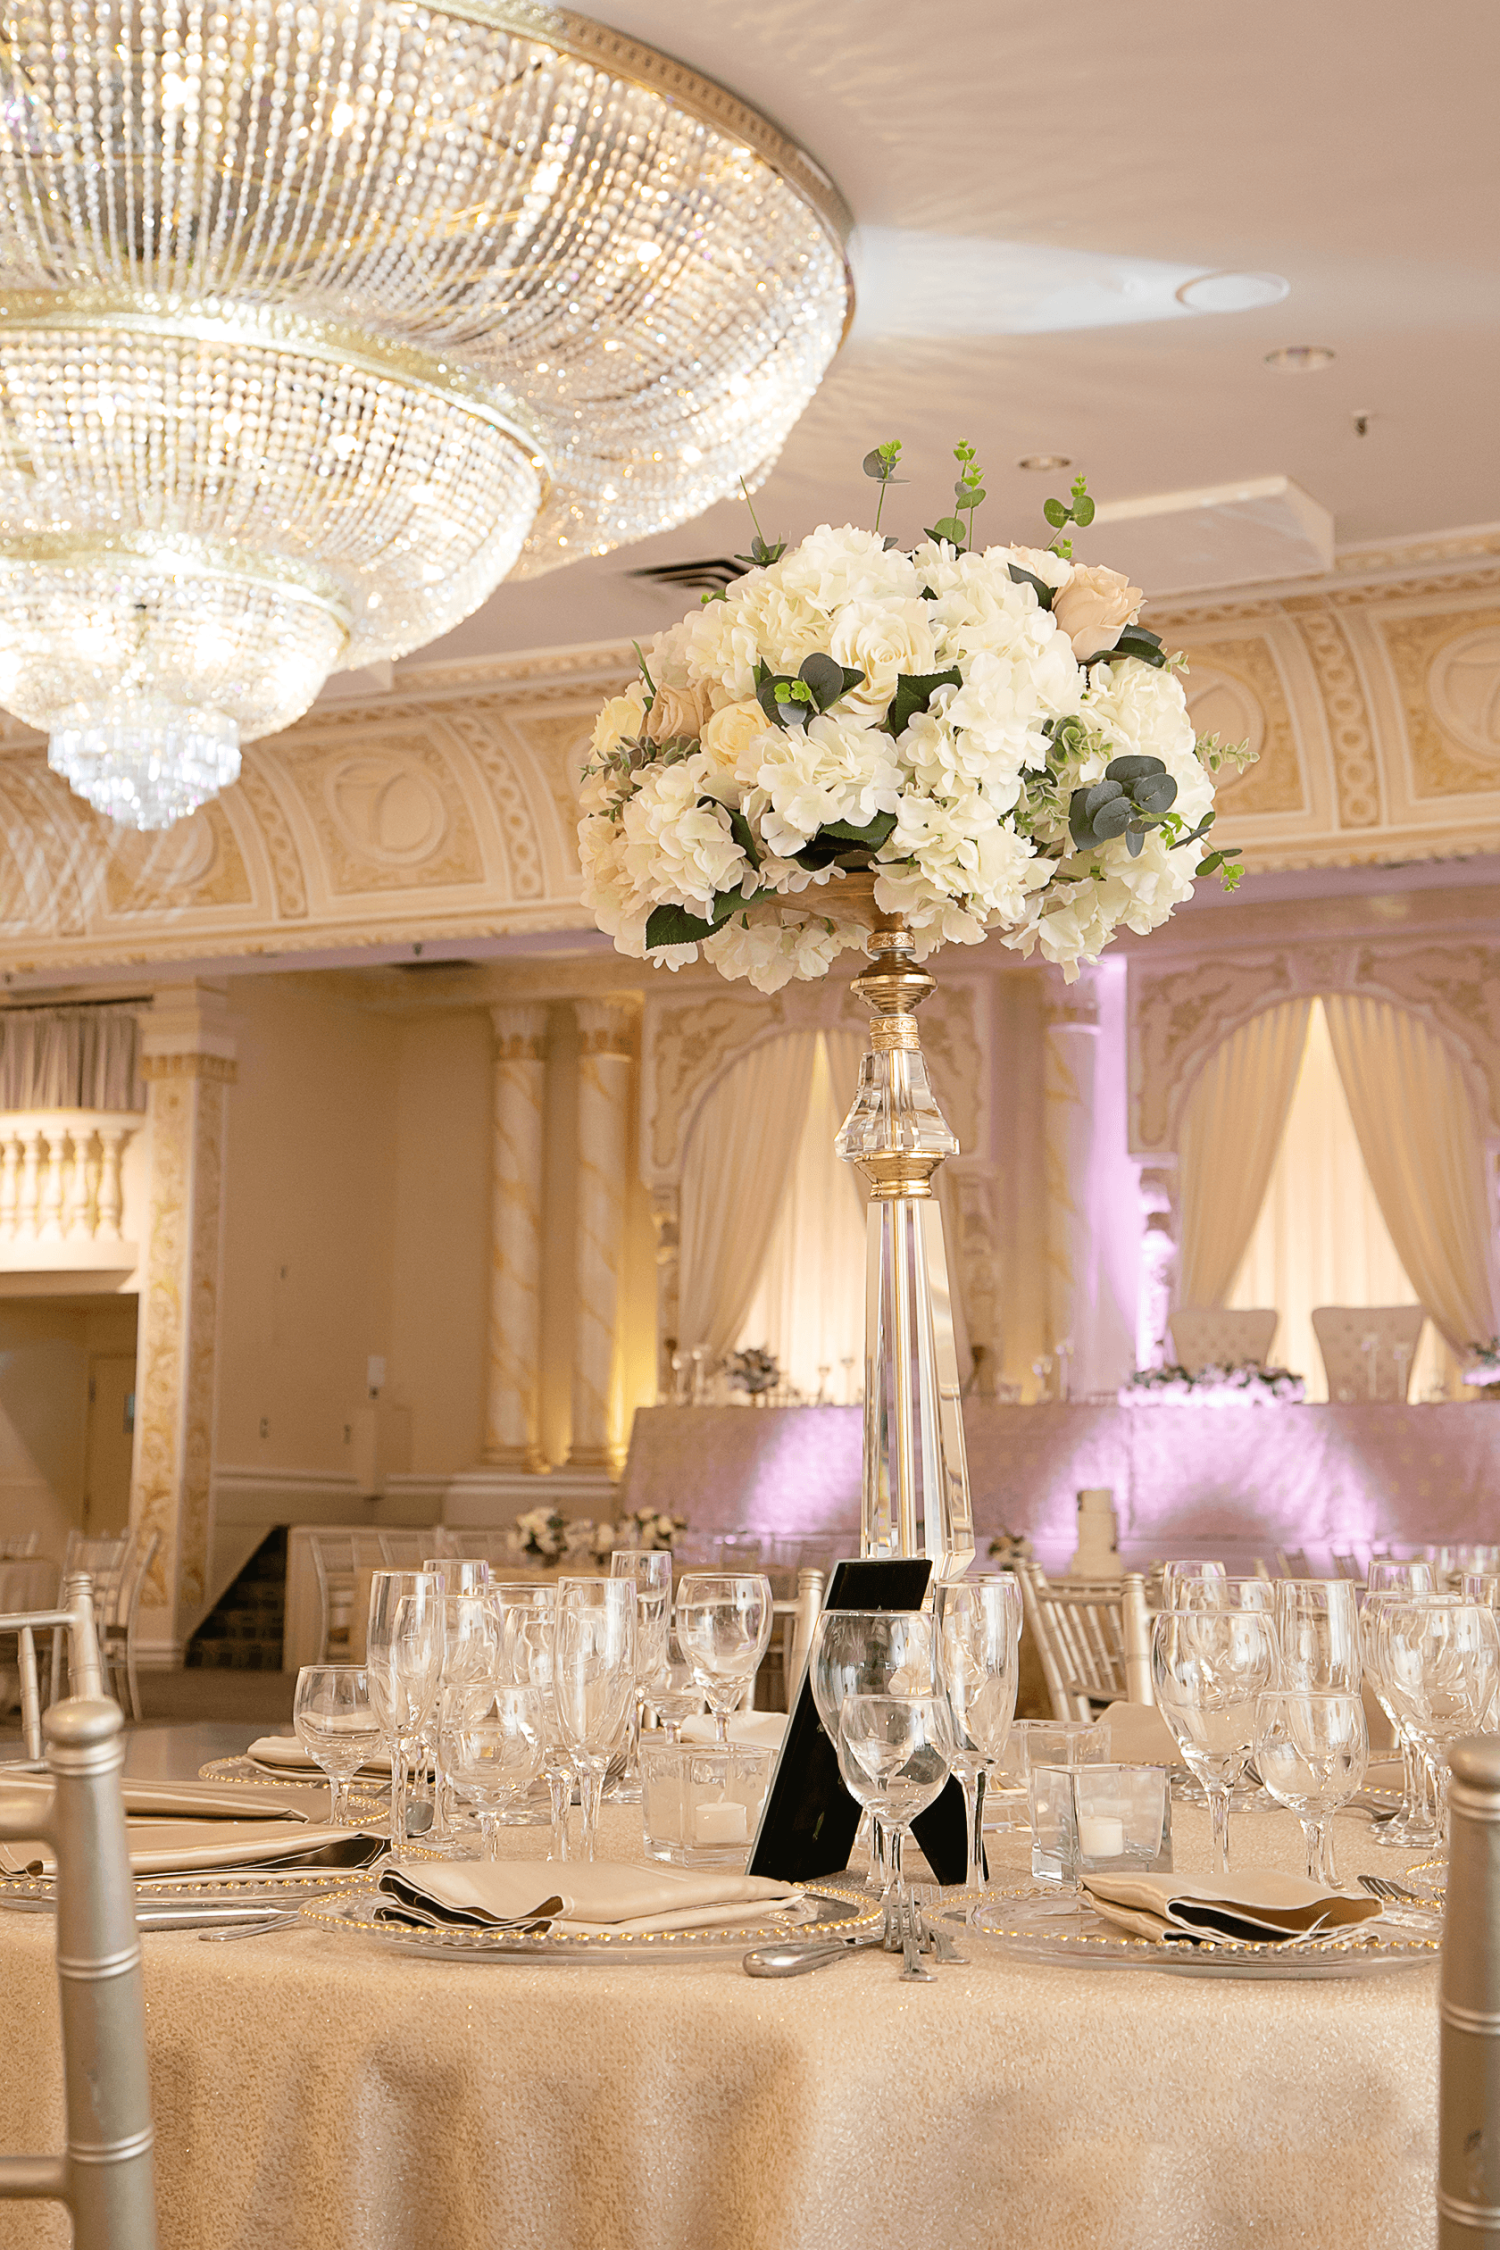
[(1095, 1819), (701, 1803), (1056, 1747)]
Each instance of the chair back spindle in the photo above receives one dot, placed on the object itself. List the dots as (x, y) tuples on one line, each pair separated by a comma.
[(1469, 2049)]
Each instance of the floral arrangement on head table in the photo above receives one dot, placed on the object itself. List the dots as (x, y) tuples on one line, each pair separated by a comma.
[(989, 730)]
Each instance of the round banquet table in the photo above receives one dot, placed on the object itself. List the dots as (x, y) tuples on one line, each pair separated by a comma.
[(319, 2092)]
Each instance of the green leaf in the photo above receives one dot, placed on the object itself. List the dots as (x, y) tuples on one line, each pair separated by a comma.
[(1039, 586), (914, 691), (1055, 512), (1132, 768), (1100, 793), (1135, 840), (1083, 511), (1113, 819), (827, 679), (1211, 862), (873, 835), (740, 830), (673, 925), (1134, 641), (1155, 794), (949, 528)]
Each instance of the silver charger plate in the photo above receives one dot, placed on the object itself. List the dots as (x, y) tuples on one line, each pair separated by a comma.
[(1031, 1923), (186, 1902), (368, 1795), (836, 1912)]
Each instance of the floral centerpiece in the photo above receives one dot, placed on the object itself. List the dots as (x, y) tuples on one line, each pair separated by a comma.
[(753, 1370), (1243, 1385), (650, 1528), (1483, 1370), (547, 1536), (989, 731)]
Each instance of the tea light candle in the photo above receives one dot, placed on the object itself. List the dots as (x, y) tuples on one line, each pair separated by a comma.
[(1100, 1836), (724, 1823)]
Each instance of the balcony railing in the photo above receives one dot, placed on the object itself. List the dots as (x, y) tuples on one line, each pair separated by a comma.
[(62, 1189)]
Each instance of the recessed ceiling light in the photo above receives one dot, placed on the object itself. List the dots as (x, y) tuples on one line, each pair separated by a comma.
[(1233, 292), (1045, 461), (1301, 359)]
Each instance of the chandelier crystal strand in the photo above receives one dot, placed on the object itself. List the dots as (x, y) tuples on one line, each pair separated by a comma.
[(318, 320), (916, 1472)]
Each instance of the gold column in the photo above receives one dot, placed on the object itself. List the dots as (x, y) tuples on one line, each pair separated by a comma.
[(187, 1061), (606, 1048), (512, 1421)]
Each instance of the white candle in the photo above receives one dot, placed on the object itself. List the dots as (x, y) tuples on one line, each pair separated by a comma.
[(723, 1823), (1099, 1836)]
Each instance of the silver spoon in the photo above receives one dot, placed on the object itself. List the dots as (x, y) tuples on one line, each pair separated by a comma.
[(793, 1960), (250, 1929)]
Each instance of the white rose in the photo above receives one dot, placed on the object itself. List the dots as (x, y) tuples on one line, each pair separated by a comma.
[(620, 721), (882, 639), (677, 713), (1094, 608), (732, 738)]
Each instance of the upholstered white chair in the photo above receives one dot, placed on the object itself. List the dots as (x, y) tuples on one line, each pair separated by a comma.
[(1093, 1639), (104, 2175), (1213, 1336), (1368, 1350)]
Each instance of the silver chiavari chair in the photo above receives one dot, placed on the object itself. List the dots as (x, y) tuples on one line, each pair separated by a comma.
[(75, 1618), (104, 2175), (1093, 1639), (1469, 2052)]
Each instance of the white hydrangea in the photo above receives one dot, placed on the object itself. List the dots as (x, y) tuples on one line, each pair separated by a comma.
[(677, 851), (831, 770), (772, 953)]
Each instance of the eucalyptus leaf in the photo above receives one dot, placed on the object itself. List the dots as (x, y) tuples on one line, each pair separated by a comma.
[(1135, 841), (1100, 793), (827, 678), (914, 691), (1132, 768), (1112, 819), (1083, 511), (1055, 512), (1156, 793), (949, 528)]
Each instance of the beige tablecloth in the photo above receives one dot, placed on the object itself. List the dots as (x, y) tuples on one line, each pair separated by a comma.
[(313, 2093)]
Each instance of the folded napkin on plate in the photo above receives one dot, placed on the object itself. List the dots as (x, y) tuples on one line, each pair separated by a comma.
[(1139, 1736), (186, 1847), (199, 1800), (580, 1900), (286, 1753), (1255, 1909), (762, 1730)]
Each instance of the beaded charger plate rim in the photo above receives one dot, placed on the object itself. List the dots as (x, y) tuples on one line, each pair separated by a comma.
[(844, 1913), (210, 1883), (1360, 1950), (365, 1796), (1430, 1877)]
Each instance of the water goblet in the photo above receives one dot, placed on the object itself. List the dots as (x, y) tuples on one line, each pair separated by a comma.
[(390, 1698), (1311, 1751), (1388, 1576), (1176, 1574), (672, 1691), (1317, 1634), (896, 1761), (491, 1738), (869, 1652), (336, 1726), (1208, 1669), (724, 1625), (593, 1677), (1414, 1824), (1440, 1659), (458, 1574), (977, 1627)]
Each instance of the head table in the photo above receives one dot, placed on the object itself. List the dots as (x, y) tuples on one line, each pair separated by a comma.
[(317, 2092)]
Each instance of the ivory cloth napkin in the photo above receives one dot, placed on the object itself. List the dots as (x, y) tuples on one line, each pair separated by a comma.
[(1254, 1908), (284, 1750), (762, 1730), (185, 1847), (579, 1900), (1139, 1736), (195, 1800)]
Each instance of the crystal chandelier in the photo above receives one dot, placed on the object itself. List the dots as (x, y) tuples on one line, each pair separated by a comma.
[(318, 317)]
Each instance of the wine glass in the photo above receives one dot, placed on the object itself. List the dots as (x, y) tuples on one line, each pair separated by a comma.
[(458, 1574), (977, 1628), (673, 1691), (491, 1738), (1414, 1825), (1176, 1574), (336, 1726), (1223, 1592), (724, 1625), (896, 1759), (650, 1568), (1311, 1751), (1440, 1657), (1317, 1633), (1209, 1668), (868, 1652), (1388, 1576), (593, 1674), (390, 1698)]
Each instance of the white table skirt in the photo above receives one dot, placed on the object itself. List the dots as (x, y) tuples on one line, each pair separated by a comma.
[(315, 2093)]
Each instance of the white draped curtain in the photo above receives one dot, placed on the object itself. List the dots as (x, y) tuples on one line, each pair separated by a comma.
[(69, 1058), (1422, 1147), (1321, 1237), (1231, 1129)]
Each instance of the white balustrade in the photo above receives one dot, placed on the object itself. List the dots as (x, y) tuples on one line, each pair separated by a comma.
[(61, 1181)]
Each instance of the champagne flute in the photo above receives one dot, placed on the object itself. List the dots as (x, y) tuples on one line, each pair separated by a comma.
[(1209, 1668), (650, 1570), (336, 1726), (1317, 1634), (388, 1589), (724, 1624), (977, 1628), (594, 1679)]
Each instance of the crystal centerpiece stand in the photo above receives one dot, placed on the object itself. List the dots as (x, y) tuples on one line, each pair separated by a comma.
[(916, 1472)]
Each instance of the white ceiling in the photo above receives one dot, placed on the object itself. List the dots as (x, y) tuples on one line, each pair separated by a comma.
[(1023, 167)]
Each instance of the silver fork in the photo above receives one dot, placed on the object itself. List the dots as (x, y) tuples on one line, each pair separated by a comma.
[(1381, 1886)]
